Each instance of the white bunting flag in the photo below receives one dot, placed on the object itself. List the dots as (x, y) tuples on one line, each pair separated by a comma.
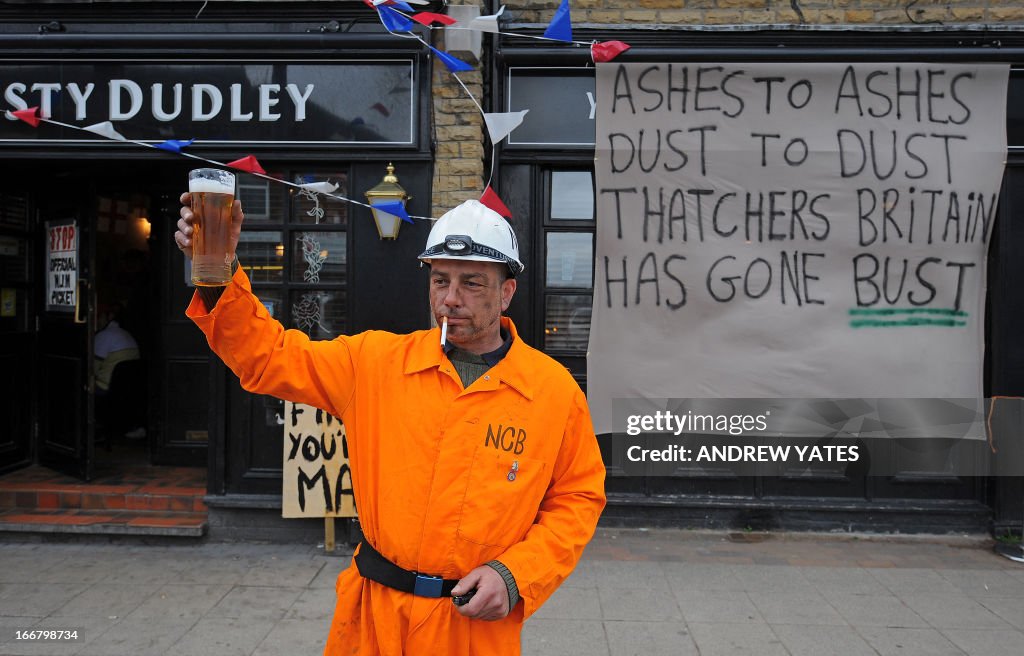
[(105, 129), (500, 124), (320, 187), (486, 23)]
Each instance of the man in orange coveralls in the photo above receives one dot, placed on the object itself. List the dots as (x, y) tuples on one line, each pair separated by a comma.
[(483, 477)]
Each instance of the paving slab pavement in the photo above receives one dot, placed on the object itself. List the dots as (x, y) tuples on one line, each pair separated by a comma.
[(636, 592)]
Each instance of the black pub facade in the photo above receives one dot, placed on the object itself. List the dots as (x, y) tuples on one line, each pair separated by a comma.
[(318, 91)]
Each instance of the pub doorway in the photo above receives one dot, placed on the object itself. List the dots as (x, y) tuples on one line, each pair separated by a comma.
[(148, 415), (125, 310), (119, 297), (82, 244)]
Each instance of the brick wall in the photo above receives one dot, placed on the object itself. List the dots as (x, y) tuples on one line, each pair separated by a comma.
[(458, 133), (458, 128), (782, 12)]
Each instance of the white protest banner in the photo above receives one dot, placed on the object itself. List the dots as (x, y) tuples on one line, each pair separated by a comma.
[(317, 479), (61, 265), (793, 230)]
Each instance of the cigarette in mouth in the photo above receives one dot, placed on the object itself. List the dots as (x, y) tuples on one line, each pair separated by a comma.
[(444, 330)]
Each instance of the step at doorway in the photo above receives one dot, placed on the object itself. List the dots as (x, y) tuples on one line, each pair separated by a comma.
[(123, 499)]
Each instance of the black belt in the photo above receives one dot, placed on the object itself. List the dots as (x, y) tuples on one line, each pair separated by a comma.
[(373, 566)]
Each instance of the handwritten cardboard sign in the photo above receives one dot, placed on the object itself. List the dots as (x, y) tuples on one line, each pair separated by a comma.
[(317, 476), (793, 230)]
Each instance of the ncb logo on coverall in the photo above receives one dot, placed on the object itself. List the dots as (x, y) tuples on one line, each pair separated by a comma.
[(508, 438)]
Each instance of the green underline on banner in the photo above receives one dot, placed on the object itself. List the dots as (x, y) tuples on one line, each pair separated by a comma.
[(912, 321), (947, 312)]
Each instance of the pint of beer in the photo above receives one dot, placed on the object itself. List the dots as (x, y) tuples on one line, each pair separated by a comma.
[(213, 193)]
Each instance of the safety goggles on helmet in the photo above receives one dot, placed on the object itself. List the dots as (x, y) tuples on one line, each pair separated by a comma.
[(472, 231)]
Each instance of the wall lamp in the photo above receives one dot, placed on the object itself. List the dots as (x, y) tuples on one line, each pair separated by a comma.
[(387, 191)]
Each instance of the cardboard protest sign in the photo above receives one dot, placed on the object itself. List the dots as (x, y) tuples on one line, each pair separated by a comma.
[(317, 479), (793, 230)]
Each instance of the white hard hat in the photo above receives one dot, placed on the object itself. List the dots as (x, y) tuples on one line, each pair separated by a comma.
[(473, 231)]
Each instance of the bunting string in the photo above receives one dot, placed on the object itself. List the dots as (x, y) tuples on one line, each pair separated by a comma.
[(247, 164), (399, 18), (560, 29), (395, 19)]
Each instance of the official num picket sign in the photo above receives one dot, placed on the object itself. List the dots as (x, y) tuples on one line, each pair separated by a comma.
[(61, 265)]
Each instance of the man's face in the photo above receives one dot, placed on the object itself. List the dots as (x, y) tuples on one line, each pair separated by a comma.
[(472, 295)]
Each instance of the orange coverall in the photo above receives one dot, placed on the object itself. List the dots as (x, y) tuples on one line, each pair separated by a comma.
[(430, 468)]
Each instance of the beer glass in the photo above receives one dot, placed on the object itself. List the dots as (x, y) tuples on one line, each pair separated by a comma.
[(213, 194)]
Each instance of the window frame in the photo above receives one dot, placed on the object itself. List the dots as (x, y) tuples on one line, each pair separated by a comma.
[(290, 226), (573, 359)]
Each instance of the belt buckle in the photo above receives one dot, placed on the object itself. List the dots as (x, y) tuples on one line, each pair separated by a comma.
[(428, 586)]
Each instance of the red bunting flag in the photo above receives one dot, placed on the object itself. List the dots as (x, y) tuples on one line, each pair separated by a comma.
[(607, 50), (30, 116), (247, 163), (428, 18), (492, 201)]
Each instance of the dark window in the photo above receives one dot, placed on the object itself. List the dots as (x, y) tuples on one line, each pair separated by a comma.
[(15, 264), (561, 104), (568, 244), (297, 253), (1015, 109)]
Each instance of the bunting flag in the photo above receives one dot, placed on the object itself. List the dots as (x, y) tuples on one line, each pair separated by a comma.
[(393, 20), (492, 201), (607, 50), (105, 129), (248, 164), (560, 28), (396, 3), (175, 145), (500, 124), (320, 187), (486, 23), (395, 208), (30, 115), (453, 64), (429, 18)]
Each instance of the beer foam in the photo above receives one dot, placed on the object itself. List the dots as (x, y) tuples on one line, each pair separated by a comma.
[(208, 186)]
